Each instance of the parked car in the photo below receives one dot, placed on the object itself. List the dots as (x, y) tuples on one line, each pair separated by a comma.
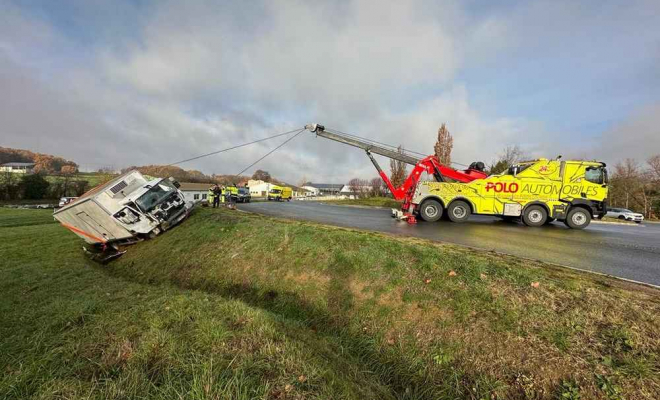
[(244, 195), (66, 200), (622, 213)]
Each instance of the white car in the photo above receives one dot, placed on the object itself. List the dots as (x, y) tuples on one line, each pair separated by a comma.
[(66, 200), (622, 213)]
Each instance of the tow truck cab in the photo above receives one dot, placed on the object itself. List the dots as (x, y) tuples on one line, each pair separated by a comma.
[(536, 191)]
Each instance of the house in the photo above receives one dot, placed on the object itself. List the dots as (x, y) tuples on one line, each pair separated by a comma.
[(324, 189), (17, 167), (195, 192)]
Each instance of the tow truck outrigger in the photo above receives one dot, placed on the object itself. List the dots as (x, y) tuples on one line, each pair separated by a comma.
[(538, 191)]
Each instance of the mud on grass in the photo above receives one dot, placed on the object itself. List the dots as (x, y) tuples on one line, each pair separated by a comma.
[(232, 305)]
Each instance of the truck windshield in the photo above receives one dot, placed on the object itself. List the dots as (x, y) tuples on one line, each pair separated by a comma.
[(275, 191), (155, 195), (596, 175)]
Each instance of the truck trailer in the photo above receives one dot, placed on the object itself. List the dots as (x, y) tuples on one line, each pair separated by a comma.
[(124, 210)]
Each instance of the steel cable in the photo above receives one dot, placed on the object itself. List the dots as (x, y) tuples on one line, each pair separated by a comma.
[(272, 151), (234, 147)]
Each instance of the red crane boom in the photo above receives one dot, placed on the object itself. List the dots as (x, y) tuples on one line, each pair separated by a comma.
[(406, 191)]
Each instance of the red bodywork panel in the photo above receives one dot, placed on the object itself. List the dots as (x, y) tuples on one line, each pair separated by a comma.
[(430, 165)]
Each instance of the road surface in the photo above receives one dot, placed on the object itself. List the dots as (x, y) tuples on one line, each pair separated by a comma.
[(626, 251)]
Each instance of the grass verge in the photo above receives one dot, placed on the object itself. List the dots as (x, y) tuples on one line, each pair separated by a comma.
[(232, 305)]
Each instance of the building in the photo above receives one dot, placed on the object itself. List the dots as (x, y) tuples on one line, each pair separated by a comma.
[(324, 189), (195, 192), (17, 167), (259, 188)]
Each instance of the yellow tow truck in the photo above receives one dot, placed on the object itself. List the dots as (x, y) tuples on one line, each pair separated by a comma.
[(538, 192)]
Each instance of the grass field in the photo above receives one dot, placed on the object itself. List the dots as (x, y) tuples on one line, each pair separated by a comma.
[(235, 306), (386, 202)]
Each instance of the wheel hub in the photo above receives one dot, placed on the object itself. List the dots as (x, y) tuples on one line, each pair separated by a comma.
[(459, 212), (578, 218), (431, 211), (535, 216)]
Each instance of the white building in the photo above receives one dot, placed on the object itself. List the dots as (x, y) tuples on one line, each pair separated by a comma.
[(195, 192), (17, 167), (259, 188)]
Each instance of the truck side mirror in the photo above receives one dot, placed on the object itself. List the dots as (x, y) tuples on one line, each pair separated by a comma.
[(175, 182)]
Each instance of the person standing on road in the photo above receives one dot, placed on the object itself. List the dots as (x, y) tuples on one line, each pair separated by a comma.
[(210, 196), (217, 192)]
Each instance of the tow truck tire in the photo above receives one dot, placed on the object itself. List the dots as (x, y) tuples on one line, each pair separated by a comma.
[(430, 210), (535, 215), (578, 218), (459, 211)]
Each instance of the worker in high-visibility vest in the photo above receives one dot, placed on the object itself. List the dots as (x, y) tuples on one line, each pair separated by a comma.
[(210, 196)]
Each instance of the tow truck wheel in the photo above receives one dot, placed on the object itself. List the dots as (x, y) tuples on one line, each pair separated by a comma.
[(430, 210), (459, 211), (535, 216), (578, 218)]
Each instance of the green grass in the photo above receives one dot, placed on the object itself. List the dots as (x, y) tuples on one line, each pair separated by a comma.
[(386, 202), (93, 178), (237, 306)]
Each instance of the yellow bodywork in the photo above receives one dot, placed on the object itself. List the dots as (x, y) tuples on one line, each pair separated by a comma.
[(280, 193), (557, 185)]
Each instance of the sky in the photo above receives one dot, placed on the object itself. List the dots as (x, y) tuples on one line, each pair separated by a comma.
[(133, 82)]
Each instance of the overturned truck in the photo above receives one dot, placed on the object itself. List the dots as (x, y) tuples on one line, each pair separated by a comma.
[(127, 209)]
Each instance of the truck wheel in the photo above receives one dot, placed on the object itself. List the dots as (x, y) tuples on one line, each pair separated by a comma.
[(459, 211), (578, 218), (430, 210), (535, 215)]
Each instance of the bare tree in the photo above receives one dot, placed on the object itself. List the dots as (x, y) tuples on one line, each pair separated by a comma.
[(377, 186), (626, 180), (398, 170), (509, 156), (354, 185), (444, 145)]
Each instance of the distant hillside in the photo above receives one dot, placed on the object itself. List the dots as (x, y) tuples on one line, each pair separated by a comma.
[(43, 162), (182, 175)]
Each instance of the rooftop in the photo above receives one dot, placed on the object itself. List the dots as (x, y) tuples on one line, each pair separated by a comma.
[(18, 164), (189, 186)]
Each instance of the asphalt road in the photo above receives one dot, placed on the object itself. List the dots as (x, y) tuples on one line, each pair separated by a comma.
[(626, 251)]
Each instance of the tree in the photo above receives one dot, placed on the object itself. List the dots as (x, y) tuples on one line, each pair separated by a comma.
[(626, 181), (509, 156), (8, 185), (354, 185), (261, 175), (35, 186), (444, 145), (398, 170), (377, 186)]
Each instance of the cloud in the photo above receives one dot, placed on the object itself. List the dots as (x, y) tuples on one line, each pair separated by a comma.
[(189, 78), (637, 137)]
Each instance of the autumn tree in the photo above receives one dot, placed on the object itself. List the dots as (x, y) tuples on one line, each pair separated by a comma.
[(444, 145), (261, 175), (398, 170)]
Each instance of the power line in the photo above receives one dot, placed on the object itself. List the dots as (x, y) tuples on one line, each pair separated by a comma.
[(233, 147), (272, 151)]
